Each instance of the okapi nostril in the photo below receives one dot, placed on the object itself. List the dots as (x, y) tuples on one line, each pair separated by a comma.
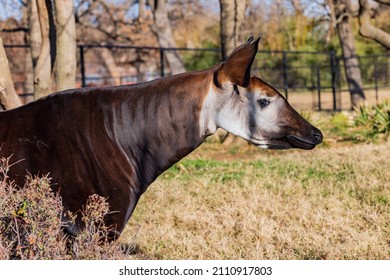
[(317, 135)]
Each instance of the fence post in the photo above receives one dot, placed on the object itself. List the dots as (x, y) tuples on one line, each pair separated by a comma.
[(319, 87), (333, 75), (285, 83), (313, 86), (376, 81), (162, 74), (83, 82)]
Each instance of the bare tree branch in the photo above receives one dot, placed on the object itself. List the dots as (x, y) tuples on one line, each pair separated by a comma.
[(368, 30), (108, 22), (385, 2), (16, 29), (24, 4)]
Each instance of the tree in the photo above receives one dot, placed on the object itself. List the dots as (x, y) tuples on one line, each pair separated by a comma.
[(231, 21), (8, 97), (51, 33), (163, 31), (342, 13), (65, 44), (116, 25), (45, 60), (108, 61), (366, 29), (53, 42)]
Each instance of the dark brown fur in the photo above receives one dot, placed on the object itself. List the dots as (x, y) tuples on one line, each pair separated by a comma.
[(112, 141)]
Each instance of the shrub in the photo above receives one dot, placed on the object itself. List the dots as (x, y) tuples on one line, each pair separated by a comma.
[(31, 224), (374, 120), (367, 124)]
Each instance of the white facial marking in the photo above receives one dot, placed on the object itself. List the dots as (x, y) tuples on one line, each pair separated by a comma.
[(241, 114), (207, 123)]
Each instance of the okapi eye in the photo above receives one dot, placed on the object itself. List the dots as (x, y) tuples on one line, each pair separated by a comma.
[(264, 102)]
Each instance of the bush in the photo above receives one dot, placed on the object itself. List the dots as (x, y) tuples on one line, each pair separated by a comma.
[(366, 124), (374, 121), (31, 223)]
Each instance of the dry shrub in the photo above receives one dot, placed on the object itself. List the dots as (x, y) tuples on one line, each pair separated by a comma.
[(93, 242), (31, 224)]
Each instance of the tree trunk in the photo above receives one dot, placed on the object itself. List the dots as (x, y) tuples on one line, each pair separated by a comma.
[(351, 62), (42, 71), (8, 97), (28, 85), (108, 60), (65, 45), (163, 31), (369, 31), (232, 16), (35, 36), (35, 40), (29, 76)]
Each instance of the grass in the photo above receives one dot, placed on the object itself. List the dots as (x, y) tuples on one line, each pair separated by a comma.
[(329, 203)]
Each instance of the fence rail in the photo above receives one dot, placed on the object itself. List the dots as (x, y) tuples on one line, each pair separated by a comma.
[(316, 77)]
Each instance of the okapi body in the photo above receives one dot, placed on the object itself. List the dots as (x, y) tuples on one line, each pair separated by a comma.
[(115, 141)]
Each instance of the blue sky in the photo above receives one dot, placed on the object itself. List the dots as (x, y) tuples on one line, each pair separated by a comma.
[(12, 8)]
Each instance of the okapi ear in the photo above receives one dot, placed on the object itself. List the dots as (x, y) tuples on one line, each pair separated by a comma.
[(237, 67)]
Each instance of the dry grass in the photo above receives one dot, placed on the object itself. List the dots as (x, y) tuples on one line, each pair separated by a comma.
[(245, 203)]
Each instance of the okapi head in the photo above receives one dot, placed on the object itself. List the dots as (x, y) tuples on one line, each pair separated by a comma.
[(249, 107)]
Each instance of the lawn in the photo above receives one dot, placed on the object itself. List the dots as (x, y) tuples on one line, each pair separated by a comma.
[(240, 202)]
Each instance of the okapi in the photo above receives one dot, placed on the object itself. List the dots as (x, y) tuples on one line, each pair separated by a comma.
[(115, 141)]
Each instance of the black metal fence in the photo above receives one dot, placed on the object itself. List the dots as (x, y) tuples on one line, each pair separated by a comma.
[(309, 80), (309, 73)]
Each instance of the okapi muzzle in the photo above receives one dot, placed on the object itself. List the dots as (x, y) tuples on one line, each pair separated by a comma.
[(115, 141)]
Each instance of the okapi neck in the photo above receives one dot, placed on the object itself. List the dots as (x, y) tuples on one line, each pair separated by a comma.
[(158, 124)]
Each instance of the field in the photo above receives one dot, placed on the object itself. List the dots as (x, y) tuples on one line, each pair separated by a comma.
[(240, 202)]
